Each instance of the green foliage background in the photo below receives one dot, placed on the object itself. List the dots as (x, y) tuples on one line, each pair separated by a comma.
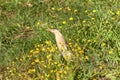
[(91, 29)]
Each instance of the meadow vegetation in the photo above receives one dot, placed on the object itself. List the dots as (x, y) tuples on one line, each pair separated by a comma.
[(91, 29)]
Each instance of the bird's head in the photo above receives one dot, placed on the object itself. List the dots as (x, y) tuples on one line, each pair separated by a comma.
[(54, 31)]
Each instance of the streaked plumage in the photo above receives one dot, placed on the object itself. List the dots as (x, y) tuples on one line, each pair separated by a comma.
[(61, 44)]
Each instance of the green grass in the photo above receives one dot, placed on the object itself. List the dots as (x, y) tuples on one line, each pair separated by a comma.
[(28, 51)]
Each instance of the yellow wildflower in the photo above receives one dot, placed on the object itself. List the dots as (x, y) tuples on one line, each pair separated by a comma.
[(67, 68), (37, 49), (75, 11), (59, 9), (79, 48), (86, 57), (19, 75), (100, 67), (32, 63), (53, 8), (111, 12), (103, 44), (118, 12), (51, 26), (48, 42), (55, 62), (31, 51), (52, 49), (43, 49), (31, 71), (51, 71), (65, 72), (94, 11), (71, 18), (64, 22), (83, 21), (36, 52), (86, 11), (92, 18), (111, 51), (88, 40), (8, 67), (27, 28), (37, 60), (81, 51), (38, 23), (60, 71), (68, 8), (59, 65)]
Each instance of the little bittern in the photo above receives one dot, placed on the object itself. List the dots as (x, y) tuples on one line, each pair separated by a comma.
[(67, 55)]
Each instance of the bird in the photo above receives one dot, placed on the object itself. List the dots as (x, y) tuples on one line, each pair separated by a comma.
[(61, 44)]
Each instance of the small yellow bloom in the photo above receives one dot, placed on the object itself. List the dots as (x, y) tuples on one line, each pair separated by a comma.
[(81, 51), (8, 67), (36, 52), (43, 49), (53, 8), (51, 26), (31, 71), (21, 59), (27, 28), (31, 51), (86, 57), (60, 71), (92, 18), (68, 8), (59, 65), (118, 12), (75, 11), (16, 58), (94, 11), (48, 42), (51, 71), (32, 63), (12, 74), (38, 23), (52, 49), (45, 66), (79, 48), (59, 9), (37, 60), (37, 49), (67, 68), (65, 72), (55, 62), (48, 56), (111, 12), (103, 44), (113, 18), (100, 67), (14, 69), (88, 40), (83, 21), (111, 51), (64, 22), (86, 11), (71, 18), (19, 75)]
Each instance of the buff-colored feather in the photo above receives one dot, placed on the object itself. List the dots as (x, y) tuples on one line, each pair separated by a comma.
[(61, 44)]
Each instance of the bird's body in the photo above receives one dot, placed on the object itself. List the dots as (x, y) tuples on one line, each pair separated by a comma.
[(60, 41), (61, 44)]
